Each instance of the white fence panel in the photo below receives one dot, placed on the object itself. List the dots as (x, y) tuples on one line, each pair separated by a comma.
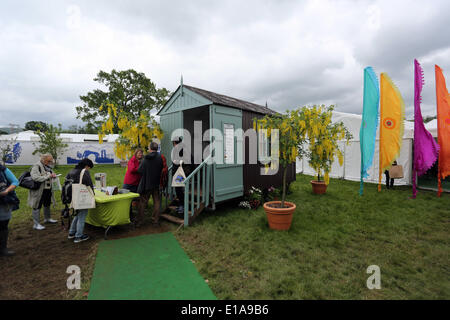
[(22, 153)]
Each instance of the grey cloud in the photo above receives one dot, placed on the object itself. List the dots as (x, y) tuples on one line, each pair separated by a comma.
[(284, 52)]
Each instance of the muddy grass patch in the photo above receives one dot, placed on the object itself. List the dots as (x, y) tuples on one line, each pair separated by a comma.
[(38, 270)]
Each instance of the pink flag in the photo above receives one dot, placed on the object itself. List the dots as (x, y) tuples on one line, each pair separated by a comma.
[(426, 150)]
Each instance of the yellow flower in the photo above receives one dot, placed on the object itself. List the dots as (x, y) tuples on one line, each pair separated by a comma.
[(341, 158), (109, 125)]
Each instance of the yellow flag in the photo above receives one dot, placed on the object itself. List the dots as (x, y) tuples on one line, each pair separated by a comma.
[(392, 110)]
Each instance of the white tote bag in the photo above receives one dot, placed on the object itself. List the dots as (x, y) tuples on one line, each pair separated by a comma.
[(82, 196), (179, 177)]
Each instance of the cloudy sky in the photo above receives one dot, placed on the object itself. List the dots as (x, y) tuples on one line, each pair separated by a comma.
[(288, 53)]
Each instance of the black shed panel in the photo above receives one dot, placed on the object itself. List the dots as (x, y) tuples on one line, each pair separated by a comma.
[(252, 172)]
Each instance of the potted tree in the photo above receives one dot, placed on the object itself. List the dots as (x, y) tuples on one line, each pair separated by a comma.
[(289, 130), (323, 136)]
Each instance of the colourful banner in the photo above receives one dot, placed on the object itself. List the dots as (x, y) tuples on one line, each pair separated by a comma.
[(443, 120), (369, 123), (426, 150), (392, 111)]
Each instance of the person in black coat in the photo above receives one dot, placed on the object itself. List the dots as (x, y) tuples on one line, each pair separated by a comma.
[(150, 170)]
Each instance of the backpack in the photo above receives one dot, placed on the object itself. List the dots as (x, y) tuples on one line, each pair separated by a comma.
[(66, 192), (25, 181), (11, 198)]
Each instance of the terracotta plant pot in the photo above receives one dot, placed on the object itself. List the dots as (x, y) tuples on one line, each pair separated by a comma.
[(279, 218), (319, 187)]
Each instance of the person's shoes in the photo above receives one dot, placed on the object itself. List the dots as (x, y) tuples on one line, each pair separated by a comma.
[(7, 253), (84, 237), (50, 221), (38, 226), (180, 209), (71, 236)]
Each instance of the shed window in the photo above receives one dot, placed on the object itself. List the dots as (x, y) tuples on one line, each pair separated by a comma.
[(263, 146), (228, 130)]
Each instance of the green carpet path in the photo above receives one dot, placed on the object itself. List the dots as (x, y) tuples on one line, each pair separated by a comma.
[(149, 267)]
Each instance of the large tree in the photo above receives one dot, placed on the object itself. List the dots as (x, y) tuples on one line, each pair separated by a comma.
[(131, 92), (36, 125)]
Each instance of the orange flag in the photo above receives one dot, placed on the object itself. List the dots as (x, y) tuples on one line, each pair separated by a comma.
[(443, 120), (392, 112)]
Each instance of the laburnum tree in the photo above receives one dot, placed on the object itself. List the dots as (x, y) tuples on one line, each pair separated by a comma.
[(133, 134), (290, 131), (131, 92), (323, 137)]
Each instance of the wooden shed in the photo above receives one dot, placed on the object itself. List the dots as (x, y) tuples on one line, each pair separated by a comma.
[(212, 183)]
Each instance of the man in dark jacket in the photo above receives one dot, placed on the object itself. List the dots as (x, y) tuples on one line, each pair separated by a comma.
[(150, 170)]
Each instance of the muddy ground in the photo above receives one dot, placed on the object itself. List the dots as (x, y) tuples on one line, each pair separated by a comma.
[(38, 270)]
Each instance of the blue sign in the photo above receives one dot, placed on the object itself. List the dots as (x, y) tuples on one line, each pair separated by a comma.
[(12, 156), (99, 158)]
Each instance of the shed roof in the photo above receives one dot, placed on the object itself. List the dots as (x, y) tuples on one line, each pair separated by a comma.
[(231, 102), (223, 100)]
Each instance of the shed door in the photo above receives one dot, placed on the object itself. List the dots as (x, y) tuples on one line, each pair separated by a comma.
[(169, 123), (228, 177)]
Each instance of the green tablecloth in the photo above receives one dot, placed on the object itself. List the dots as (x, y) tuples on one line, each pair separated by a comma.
[(110, 210)]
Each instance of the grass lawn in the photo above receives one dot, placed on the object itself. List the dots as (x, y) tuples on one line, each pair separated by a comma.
[(333, 239)]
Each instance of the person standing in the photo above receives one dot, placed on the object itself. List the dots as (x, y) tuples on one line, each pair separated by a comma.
[(187, 168), (132, 176), (43, 196), (8, 203), (150, 170), (76, 230), (389, 181), (164, 173)]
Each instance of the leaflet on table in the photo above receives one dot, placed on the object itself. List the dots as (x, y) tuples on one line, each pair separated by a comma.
[(109, 191)]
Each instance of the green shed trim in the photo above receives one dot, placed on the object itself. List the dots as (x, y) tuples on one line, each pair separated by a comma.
[(190, 100)]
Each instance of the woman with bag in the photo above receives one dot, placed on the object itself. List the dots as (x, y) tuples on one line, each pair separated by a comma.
[(43, 196), (80, 174), (8, 203)]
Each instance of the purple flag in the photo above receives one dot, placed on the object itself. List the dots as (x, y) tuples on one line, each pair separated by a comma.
[(426, 150)]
